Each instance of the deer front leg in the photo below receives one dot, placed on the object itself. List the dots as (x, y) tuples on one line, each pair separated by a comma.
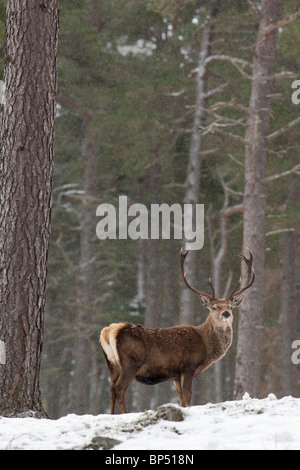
[(186, 381), (179, 391)]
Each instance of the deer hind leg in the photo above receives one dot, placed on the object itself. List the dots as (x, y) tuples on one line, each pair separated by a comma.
[(114, 372), (114, 375), (109, 345), (126, 377)]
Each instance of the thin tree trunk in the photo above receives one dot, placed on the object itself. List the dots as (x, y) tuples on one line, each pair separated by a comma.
[(153, 279), (82, 356), (219, 291), (153, 260), (27, 135), (192, 183), (170, 305), (187, 301), (250, 316)]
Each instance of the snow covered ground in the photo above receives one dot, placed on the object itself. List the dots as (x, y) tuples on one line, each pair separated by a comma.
[(246, 424)]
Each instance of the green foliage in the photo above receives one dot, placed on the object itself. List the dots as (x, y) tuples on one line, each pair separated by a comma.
[(172, 9)]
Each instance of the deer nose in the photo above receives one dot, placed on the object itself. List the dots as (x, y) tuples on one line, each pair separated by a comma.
[(226, 314)]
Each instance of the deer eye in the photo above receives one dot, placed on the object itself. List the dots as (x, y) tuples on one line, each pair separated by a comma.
[(214, 307)]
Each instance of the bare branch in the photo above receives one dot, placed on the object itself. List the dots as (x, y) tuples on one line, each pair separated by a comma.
[(236, 137), (254, 9), (235, 193), (221, 122), (284, 128), (295, 170), (238, 63), (233, 210), (236, 160), (215, 125), (213, 92), (229, 104), (65, 186), (283, 22), (282, 230), (285, 74), (175, 94), (74, 193)]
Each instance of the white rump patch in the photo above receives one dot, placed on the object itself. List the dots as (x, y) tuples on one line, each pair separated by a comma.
[(108, 341)]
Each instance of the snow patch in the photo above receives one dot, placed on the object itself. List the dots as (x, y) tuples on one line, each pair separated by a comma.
[(250, 423)]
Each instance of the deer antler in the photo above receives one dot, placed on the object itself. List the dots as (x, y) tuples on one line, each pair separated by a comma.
[(250, 277), (183, 274)]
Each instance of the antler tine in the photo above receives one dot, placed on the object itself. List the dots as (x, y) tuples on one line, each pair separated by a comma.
[(236, 287), (250, 276), (212, 288), (183, 274)]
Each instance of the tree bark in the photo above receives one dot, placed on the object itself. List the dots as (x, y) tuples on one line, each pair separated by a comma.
[(288, 314), (250, 316), (27, 135), (289, 303)]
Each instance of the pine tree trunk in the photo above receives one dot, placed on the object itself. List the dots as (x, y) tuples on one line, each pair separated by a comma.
[(288, 314), (250, 315), (289, 302), (153, 279), (188, 301), (27, 134)]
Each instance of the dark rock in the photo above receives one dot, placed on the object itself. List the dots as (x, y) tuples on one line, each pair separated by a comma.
[(169, 412), (102, 443)]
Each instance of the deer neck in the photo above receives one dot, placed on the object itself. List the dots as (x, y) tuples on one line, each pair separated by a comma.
[(217, 339)]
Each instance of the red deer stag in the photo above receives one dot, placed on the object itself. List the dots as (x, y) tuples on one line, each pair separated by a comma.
[(178, 353)]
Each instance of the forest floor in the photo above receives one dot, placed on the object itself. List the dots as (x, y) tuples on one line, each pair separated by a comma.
[(266, 424)]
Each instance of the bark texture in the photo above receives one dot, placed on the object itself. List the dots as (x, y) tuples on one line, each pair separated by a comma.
[(27, 135), (250, 323), (289, 302)]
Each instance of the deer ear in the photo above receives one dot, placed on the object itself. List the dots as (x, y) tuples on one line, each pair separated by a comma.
[(206, 302), (236, 301)]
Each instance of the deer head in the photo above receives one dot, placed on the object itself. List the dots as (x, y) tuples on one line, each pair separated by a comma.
[(221, 309)]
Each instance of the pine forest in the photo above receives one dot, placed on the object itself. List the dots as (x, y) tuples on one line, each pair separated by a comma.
[(159, 102)]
